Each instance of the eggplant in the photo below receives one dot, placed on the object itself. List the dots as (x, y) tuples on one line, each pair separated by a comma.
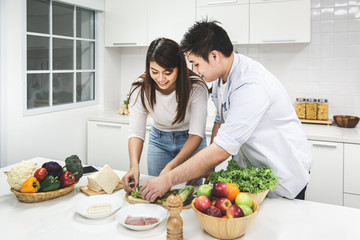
[(53, 168)]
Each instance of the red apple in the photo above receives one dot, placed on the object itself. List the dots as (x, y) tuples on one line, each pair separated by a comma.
[(234, 211), (220, 189), (213, 211), (202, 203), (223, 204)]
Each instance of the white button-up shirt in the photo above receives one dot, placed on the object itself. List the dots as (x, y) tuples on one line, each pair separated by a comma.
[(261, 126)]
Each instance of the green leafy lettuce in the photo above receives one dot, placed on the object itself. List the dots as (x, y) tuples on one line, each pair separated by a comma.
[(136, 194), (250, 179)]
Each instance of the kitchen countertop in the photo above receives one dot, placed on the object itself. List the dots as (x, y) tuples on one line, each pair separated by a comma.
[(318, 132), (279, 219)]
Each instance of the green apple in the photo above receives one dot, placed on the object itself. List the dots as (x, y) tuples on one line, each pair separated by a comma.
[(243, 199), (205, 190), (246, 209)]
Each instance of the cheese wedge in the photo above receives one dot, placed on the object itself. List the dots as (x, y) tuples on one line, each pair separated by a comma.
[(92, 184), (106, 179)]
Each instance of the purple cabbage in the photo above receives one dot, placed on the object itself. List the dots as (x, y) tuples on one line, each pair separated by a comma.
[(53, 168)]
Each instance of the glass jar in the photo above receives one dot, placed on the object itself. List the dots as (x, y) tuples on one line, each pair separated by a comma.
[(322, 109), (311, 109), (300, 108)]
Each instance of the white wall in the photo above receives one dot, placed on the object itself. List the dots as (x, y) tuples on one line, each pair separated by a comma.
[(328, 67), (53, 135), (2, 85)]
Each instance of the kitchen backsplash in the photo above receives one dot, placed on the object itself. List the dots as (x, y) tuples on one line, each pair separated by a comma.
[(328, 67)]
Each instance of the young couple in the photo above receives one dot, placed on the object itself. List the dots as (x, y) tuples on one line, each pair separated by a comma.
[(255, 121)]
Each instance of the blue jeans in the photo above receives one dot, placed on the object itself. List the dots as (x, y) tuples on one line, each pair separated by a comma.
[(164, 146)]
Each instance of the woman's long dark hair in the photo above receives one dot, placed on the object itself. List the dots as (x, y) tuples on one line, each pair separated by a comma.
[(166, 53)]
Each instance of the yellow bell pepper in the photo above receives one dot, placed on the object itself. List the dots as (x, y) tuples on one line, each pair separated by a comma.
[(31, 185)]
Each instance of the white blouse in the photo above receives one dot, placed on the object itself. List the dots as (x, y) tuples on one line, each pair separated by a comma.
[(165, 111)]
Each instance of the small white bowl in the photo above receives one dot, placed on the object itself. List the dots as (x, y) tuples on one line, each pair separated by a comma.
[(141, 210), (82, 205)]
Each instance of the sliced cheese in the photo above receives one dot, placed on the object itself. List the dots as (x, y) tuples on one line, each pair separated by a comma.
[(92, 184), (98, 208), (107, 179)]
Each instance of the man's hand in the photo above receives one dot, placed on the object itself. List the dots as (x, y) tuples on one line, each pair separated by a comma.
[(165, 170), (206, 176), (154, 188)]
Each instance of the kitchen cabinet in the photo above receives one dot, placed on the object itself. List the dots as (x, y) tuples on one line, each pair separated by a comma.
[(233, 15), (326, 183), (169, 19), (139, 22), (125, 23), (352, 168), (273, 21), (108, 144)]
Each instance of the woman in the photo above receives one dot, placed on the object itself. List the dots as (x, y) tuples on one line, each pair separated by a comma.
[(176, 99)]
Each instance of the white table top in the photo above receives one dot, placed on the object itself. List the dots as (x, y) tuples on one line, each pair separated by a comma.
[(277, 219)]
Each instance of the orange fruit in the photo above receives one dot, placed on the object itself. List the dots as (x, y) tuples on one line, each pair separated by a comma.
[(233, 191)]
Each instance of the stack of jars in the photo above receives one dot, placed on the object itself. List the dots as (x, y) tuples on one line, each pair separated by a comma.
[(311, 108)]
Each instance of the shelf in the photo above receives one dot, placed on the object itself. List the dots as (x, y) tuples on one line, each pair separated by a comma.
[(325, 122)]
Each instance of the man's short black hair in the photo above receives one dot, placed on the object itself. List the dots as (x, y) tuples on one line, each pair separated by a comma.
[(205, 36)]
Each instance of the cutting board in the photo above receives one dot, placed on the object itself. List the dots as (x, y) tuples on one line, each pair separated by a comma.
[(135, 202), (89, 192)]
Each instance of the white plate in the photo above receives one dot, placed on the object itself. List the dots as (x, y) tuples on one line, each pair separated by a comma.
[(82, 205), (141, 210)]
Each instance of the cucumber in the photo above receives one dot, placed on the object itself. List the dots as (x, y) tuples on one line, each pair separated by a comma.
[(183, 193)]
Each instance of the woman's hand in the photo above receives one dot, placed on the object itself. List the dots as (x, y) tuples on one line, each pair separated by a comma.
[(131, 176)]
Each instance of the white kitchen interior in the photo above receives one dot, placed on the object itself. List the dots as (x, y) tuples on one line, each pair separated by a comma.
[(326, 67)]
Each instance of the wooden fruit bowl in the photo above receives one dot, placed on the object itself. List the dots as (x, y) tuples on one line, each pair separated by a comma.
[(259, 197), (42, 196), (224, 228)]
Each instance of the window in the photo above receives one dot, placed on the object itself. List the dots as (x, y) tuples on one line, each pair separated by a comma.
[(60, 56)]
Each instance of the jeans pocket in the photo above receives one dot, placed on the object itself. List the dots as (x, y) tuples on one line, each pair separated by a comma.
[(154, 134)]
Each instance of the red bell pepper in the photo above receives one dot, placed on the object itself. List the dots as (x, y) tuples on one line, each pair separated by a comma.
[(67, 179), (40, 174)]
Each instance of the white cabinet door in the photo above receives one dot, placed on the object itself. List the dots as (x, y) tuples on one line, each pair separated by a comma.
[(279, 21), (125, 23), (352, 168), (326, 183), (233, 17), (108, 144), (351, 200), (143, 159), (170, 19)]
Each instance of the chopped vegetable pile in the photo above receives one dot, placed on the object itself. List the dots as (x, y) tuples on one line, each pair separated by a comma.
[(250, 179)]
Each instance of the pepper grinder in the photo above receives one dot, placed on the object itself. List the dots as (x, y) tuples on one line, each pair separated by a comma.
[(174, 223)]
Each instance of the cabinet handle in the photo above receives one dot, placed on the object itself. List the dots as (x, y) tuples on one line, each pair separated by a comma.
[(324, 145), (280, 40), (123, 44), (109, 125), (220, 2)]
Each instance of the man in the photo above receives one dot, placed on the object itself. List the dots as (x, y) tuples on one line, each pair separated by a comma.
[(255, 120)]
